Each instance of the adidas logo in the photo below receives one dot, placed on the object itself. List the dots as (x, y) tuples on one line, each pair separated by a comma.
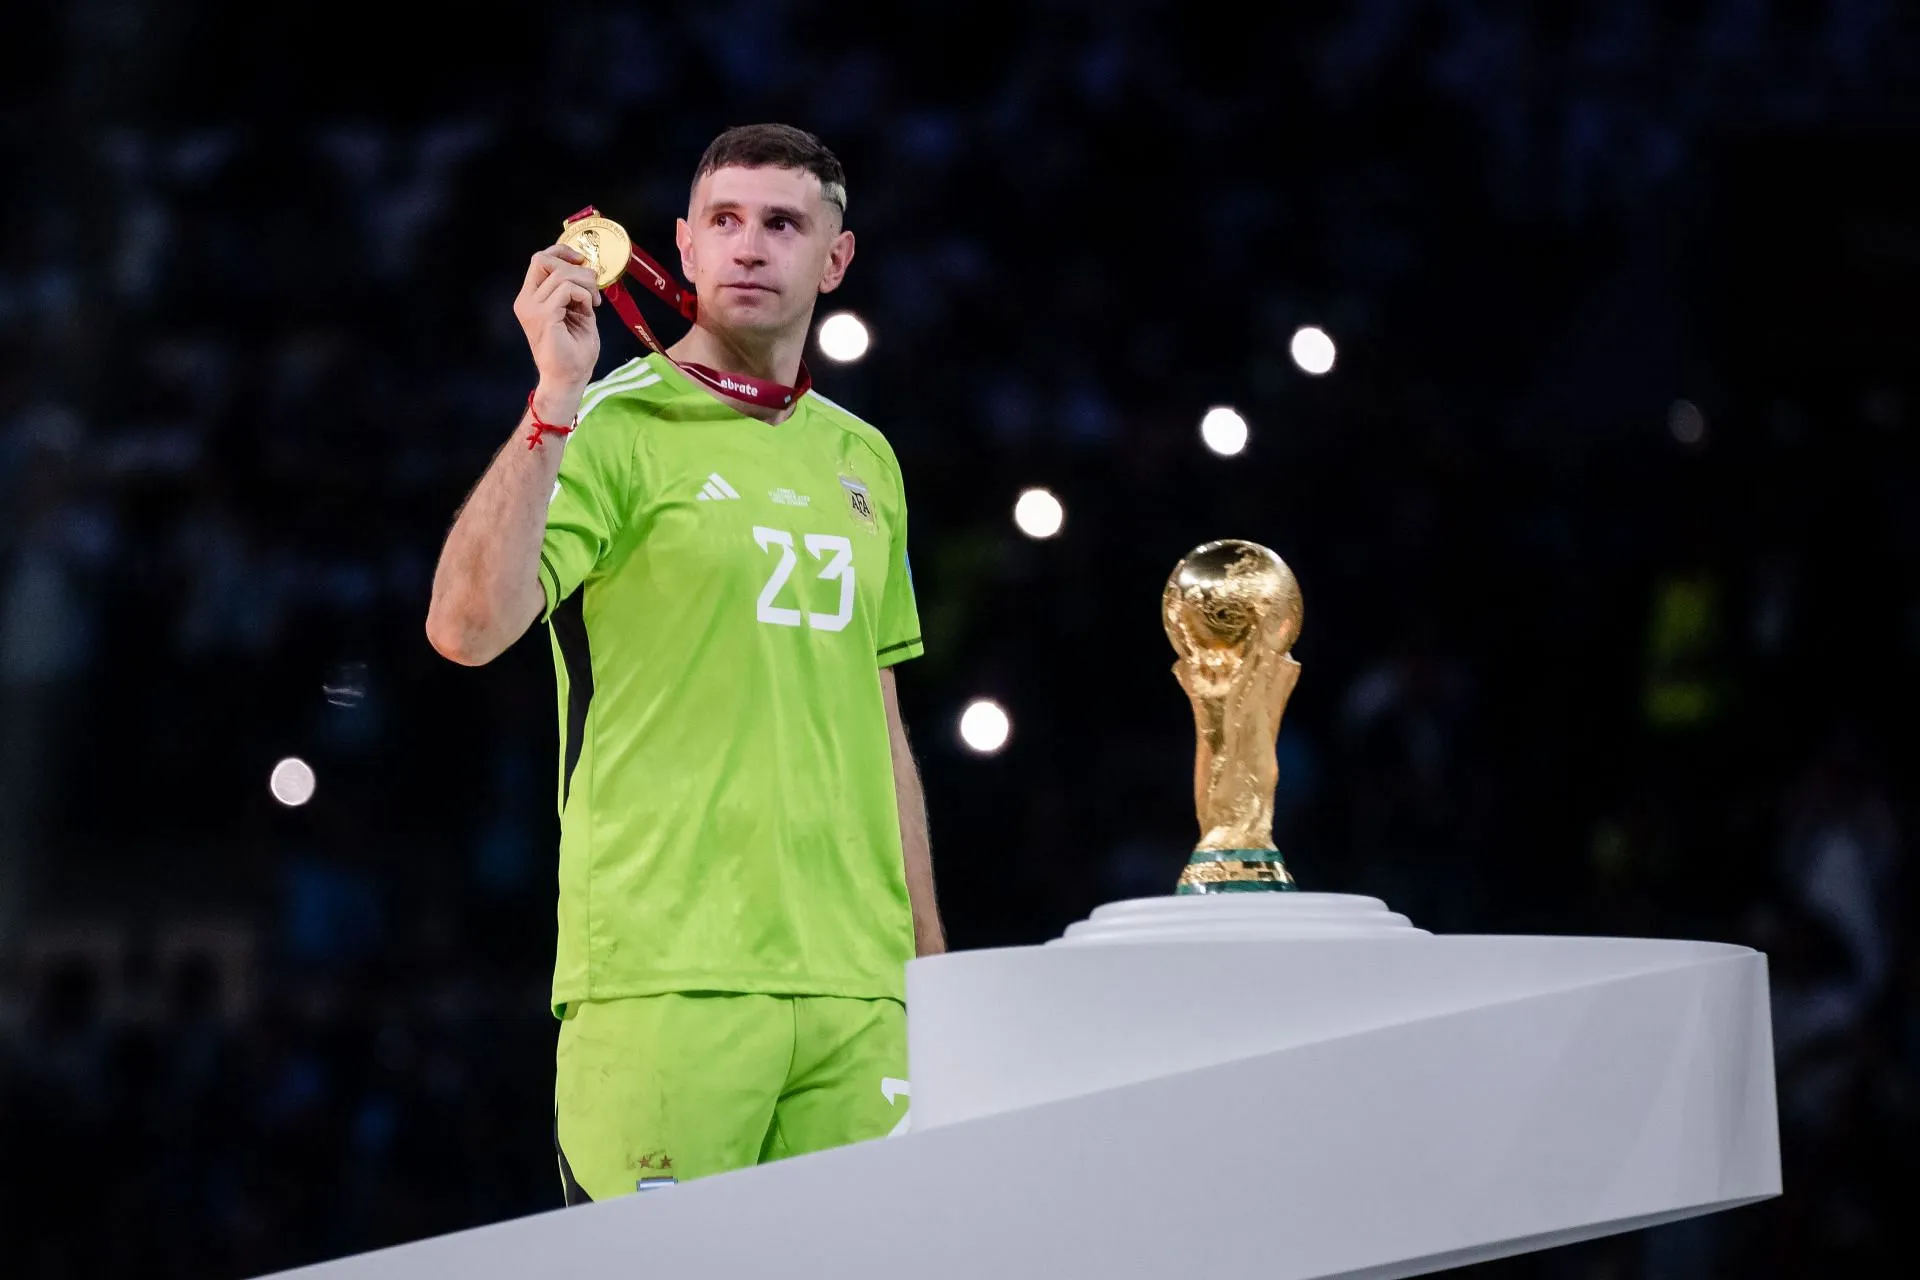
[(716, 490)]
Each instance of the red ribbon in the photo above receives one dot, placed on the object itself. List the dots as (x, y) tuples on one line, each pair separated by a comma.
[(737, 386)]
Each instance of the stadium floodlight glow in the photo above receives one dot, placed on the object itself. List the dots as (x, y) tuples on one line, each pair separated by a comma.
[(1224, 431), (984, 726), (1038, 513), (291, 782), (1311, 349), (844, 337), (1688, 424)]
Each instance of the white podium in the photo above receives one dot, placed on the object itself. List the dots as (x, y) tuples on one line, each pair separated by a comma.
[(1273, 1085)]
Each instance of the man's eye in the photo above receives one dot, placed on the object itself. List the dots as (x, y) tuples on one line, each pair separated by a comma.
[(780, 224)]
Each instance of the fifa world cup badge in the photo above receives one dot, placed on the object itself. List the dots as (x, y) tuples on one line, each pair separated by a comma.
[(859, 501)]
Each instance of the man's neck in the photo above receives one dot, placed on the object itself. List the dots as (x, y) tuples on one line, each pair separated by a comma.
[(775, 358)]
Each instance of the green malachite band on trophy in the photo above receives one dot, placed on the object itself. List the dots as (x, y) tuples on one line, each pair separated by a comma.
[(1235, 871)]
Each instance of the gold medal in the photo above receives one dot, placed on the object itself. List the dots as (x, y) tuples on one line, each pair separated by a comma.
[(605, 245)]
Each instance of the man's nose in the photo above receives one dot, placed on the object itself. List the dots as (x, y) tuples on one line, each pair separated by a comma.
[(749, 247)]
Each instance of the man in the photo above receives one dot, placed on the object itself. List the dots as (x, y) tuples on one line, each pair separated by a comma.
[(720, 557)]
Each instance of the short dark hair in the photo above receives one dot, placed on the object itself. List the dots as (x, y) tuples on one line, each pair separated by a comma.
[(777, 146)]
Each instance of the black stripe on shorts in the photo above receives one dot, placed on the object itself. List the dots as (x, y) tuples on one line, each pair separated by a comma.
[(569, 1185)]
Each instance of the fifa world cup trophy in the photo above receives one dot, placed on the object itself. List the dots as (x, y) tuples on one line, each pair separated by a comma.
[(1232, 610)]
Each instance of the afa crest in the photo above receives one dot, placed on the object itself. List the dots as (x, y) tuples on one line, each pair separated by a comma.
[(859, 501)]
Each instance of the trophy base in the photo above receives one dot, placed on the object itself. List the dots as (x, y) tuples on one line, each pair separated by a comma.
[(1249, 917), (1235, 871)]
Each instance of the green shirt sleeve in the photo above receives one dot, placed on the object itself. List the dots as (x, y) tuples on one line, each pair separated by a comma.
[(899, 636), (589, 502)]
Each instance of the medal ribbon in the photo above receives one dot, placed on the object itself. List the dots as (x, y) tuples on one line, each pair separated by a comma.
[(654, 278)]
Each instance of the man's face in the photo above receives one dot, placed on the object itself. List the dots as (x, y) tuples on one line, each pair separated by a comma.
[(759, 246)]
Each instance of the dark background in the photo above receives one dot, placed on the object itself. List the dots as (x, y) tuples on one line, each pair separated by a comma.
[(1606, 520)]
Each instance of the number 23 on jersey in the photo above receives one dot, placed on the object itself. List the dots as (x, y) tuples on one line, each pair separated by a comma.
[(835, 550)]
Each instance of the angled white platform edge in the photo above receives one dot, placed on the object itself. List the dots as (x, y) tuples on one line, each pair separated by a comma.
[(1336, 1107), (1153, 986)]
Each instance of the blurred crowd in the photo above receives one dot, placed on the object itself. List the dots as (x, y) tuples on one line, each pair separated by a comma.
[(1602, 519)]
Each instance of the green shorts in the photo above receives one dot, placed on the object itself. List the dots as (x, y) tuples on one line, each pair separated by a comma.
[(657, 1089)]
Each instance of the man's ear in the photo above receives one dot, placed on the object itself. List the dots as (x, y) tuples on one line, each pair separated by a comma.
[(683, 237), (839, 257)]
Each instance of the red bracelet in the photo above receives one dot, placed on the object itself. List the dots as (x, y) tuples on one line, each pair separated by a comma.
[(540, 428)]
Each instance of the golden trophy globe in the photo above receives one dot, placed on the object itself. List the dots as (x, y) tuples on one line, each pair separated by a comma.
[(1232, 610)]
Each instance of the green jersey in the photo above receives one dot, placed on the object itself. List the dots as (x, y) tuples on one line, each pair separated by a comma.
[(721, 595)]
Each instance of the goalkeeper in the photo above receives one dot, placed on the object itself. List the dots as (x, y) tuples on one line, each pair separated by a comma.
[(719, 555)]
